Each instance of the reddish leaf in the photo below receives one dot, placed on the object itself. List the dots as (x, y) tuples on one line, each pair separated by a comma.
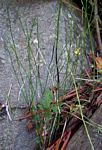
[(66, 141), (99, 100), (97, 90)]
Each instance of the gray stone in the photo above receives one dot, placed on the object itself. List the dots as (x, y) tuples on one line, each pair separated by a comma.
[(13, 135), (80, 140)]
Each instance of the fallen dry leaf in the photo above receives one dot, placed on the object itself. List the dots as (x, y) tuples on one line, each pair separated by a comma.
[(98, 61), (55, 145), (29, 126)]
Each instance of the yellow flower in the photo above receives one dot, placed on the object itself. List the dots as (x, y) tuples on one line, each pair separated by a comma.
[(100, 71), (77, 51)]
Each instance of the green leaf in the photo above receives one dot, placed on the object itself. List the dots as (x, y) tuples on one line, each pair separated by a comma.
[(46, 100), (54, 108)]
